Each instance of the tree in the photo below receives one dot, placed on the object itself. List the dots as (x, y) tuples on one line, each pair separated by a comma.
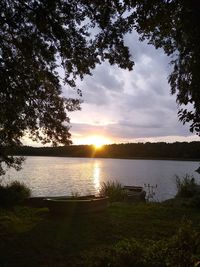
[(37, 37), (174, 26)]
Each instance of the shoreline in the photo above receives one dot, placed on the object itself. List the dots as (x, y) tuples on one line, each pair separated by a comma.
[(125, 158)]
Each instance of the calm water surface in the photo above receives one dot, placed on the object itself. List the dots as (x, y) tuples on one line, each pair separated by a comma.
[(54, 176)]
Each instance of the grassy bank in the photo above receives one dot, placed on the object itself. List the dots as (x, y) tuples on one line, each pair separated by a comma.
[(31, 237)]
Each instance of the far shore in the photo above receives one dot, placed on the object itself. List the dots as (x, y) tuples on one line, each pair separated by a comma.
[(179, 151), (126, 158)]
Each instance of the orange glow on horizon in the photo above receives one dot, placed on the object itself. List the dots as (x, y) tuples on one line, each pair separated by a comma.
[(98, 141), (98, 146)]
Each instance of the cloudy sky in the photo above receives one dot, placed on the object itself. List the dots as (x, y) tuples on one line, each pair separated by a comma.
[(122, 106)]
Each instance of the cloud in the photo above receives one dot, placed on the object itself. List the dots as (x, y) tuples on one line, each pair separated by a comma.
[(106, 77), (97, 88), (124, 130), (130, 105)]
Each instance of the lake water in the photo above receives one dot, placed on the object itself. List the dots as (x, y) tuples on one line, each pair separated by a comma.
[(54, 176)]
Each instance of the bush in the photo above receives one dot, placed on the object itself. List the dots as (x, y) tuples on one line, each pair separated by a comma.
[(13, 194), (187, 186), (182, 247), (113, 190), (128, 253), (195, 201), (180, 250)]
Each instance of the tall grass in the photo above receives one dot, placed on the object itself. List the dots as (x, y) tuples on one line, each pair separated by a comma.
[(186, 186), (113, 190)]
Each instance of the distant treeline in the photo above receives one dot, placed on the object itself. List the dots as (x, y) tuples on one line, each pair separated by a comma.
[(177, 150)]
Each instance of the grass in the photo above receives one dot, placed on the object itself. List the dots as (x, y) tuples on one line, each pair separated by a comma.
[(31, 237), (186, 186), (113, 190)]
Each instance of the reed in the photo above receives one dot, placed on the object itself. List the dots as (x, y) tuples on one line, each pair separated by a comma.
[(113, 190)]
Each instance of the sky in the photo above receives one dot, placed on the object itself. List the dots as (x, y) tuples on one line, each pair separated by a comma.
[(123, 106)]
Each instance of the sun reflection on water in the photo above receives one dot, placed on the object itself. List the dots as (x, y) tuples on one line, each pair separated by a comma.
[(96, 175)]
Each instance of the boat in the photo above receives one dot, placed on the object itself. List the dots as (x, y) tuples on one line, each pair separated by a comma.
[(134, 193), (68, 205), (76, 205), (198, 170)]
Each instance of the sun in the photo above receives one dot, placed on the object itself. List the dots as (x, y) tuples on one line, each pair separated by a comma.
[(98, 146), (98, 141)]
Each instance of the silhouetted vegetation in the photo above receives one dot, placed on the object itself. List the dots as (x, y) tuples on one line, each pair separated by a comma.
[(37, 37), (188, 192), (140, 235), (13, 194), (177, 150), (187, 186), (152, 235), (179, 250), (113, 190)]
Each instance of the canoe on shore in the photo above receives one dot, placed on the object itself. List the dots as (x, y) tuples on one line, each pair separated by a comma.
[(70, 205), (79, 205)]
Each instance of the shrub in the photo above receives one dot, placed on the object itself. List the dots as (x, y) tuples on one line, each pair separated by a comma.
[(180, 250), (195, 201), (128, 253), (13, 194), (113, 190), (187, 186), (182, 247)]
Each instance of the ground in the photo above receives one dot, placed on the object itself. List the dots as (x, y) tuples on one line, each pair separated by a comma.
[(33, 237)]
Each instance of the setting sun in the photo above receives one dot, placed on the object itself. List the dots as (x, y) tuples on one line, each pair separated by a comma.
[(98, 141), (98, 146)]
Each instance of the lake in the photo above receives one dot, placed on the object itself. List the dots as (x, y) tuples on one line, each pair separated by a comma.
[(56, 176)]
